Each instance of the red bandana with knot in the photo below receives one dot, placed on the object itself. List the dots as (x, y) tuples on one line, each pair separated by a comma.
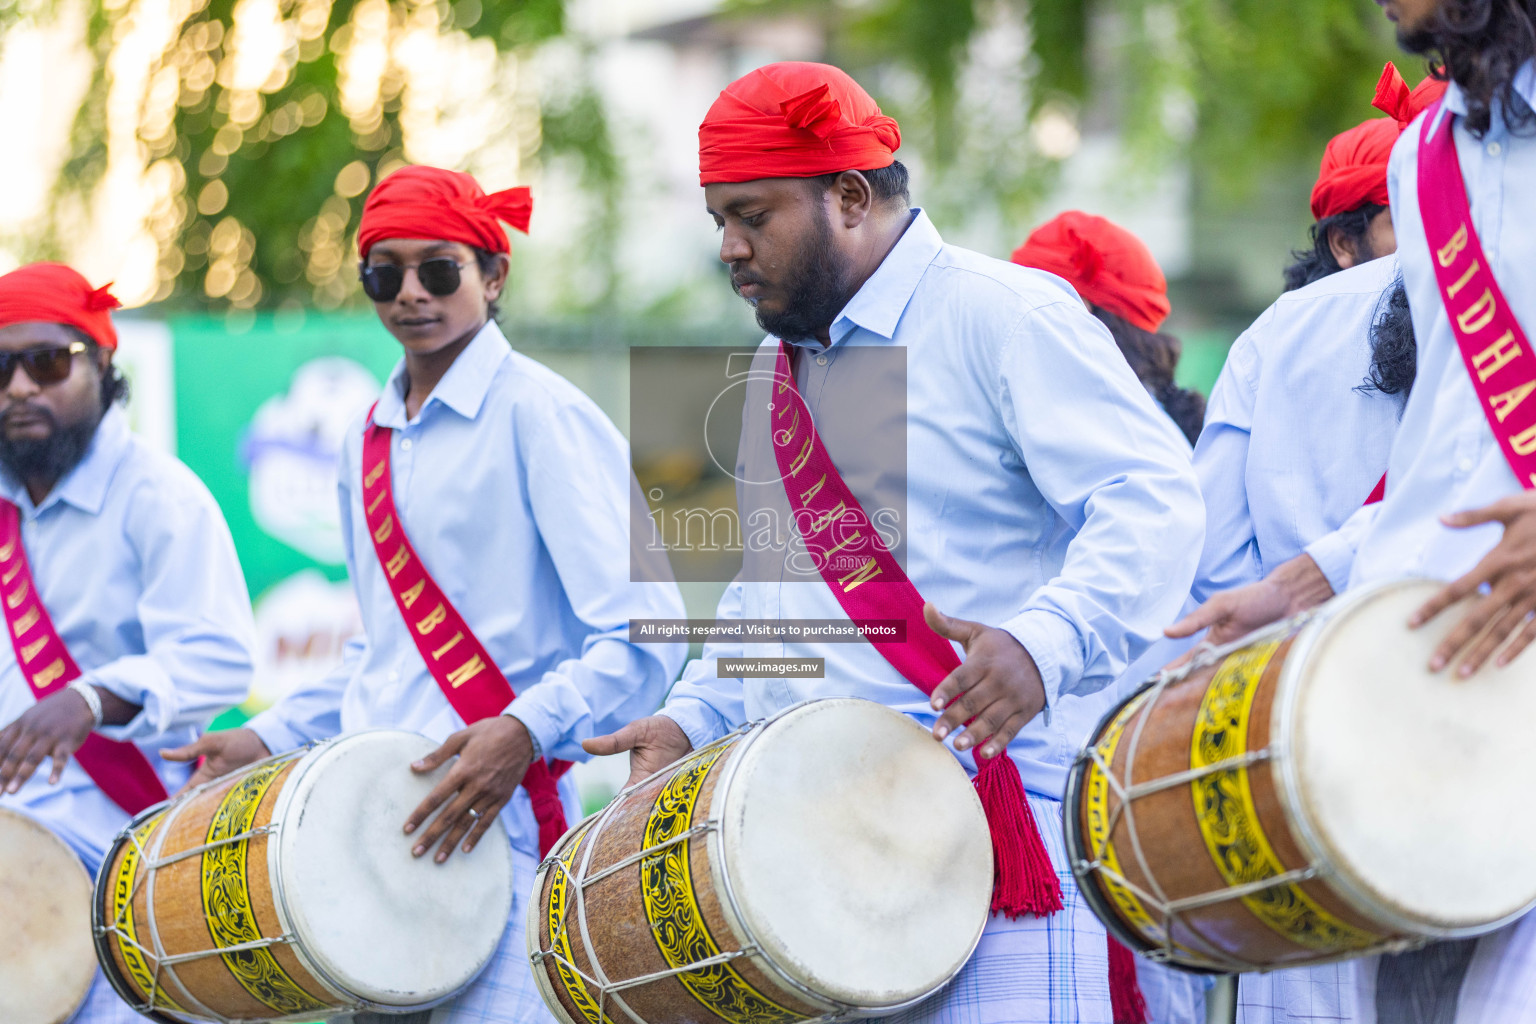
[(1354, 170), (55, 293), (1109, 266), (794, 120), (433, 203)]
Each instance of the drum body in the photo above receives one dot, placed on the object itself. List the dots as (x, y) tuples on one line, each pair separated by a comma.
[(46, 966), (1310, 793), (287, 891), (833, 859)]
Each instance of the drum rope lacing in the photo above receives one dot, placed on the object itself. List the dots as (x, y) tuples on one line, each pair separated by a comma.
[(145, 873), (606, 987), (1127, 791)]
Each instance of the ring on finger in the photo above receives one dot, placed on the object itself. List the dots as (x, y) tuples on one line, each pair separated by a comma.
[(474, 814)]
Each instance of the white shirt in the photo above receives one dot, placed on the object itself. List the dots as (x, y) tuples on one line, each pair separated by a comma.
[(1446, 458), (1045, 493), (136, 567), (1293, 444), (515, 491)]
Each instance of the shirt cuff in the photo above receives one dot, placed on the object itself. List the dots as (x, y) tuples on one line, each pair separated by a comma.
[(155, 715), (1055, 646), (1334, 554), (701, 723), (546, 713), (273, 730)]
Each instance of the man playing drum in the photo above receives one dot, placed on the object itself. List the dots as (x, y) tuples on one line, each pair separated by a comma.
[(1280, 479), (1045, 493), (1463, 187), (481, 485), (126, 610)]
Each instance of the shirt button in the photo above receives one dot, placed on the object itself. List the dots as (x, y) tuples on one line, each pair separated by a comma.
[(1465, 465), (405, 445), (1494, 149), (821, 360), (394, 675)]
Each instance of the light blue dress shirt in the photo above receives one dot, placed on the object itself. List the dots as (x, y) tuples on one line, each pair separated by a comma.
[(1446, 458), (1046, 494), (515, 491), (136, 567), (1293, 445)]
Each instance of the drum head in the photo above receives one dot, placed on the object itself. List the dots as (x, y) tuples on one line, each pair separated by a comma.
[(47, 961), (1414, 785), (390, 928), (857, 852)]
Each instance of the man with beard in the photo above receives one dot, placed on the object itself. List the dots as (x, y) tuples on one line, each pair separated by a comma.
[(1052, 511), (1463, 189), (127, 612)]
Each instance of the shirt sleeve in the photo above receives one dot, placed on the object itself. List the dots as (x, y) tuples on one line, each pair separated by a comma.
[(312, 711), (586, 504), (198, 635), (1117, 472), (1334, 552), (704, 706), (1230, 557)]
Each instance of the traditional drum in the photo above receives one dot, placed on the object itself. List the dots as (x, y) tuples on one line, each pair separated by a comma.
[(287, 891), (1308, 793), (46, 967), (831, 860)]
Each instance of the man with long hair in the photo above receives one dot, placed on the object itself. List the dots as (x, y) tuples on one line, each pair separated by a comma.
[(1463, 190)]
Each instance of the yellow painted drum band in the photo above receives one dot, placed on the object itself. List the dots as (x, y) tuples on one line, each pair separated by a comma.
[(122, 919), (227, 900), (559, 932), (1100, 847), (1229, 819), (678, 924)]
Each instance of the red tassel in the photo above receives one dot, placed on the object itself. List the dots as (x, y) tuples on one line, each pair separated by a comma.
[(1025, 881), (1125, 998)]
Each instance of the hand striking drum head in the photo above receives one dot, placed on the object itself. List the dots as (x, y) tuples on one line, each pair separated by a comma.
[(1416, 783), (46, 963), (831, 860), (1311, 792)]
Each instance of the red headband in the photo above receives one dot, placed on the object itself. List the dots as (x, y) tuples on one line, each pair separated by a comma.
[(430, 202), (1109, 266), (55, 293), (1354, 170), (793, 120)]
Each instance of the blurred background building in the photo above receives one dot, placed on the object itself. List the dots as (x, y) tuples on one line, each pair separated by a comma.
[(211, 157)]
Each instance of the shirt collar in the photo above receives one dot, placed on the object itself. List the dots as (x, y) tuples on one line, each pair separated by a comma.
[(1525, 88), (85, 486), (877, 306), (462, 389)]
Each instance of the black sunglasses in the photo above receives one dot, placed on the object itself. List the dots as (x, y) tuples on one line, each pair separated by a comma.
[(44, 365), (383, 281)]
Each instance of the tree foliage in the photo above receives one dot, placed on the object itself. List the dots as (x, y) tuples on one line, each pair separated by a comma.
[(269, 120), (1237, 84)]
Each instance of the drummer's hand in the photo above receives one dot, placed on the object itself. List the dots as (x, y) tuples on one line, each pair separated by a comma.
[(653, 743), (493, 755), (1291, 589), (54, 727), (997, 688), (225, 751), (1505, 612)]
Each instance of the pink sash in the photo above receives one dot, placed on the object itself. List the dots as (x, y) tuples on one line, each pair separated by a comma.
[(1494, 348), (459, 663), (120, 770), (870, 585)]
